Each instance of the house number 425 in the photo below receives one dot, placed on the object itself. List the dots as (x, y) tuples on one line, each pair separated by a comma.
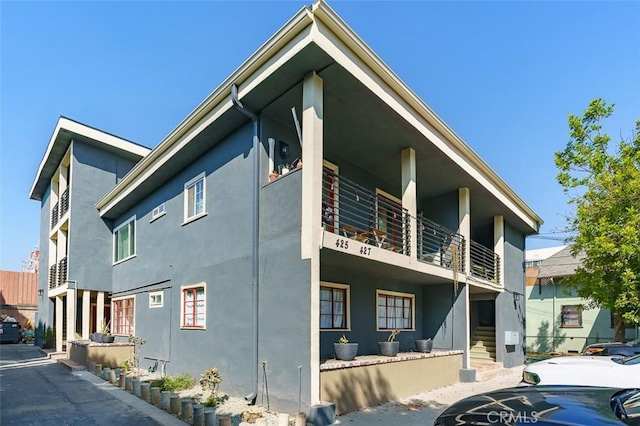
[(340, 243)]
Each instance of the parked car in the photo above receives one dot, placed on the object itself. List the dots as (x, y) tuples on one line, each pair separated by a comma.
[(585, 371), (546, 405), (613, 348)]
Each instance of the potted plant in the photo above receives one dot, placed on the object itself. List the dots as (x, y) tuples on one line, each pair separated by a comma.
[(104, 335), (344, 350), (424, 345), (391, 346)]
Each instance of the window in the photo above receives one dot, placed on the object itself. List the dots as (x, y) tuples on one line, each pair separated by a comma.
[(122, 322), (395, 310), (194, 194), (155, 299), (124, 240), (158, 212), (194, 306), (629, 326), (571, 316), (334, 306)]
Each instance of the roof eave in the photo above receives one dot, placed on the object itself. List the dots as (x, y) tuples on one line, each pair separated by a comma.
[(332, 20), (78, 128), (287, 32)]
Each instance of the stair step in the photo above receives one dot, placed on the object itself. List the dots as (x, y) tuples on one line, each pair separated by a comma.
[(482, 351), (484, 345), (485, 334), (486, 356)]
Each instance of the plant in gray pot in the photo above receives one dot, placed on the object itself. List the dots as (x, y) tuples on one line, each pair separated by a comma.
[(424, 345), (391, 346), (344, 350), (104, 335)]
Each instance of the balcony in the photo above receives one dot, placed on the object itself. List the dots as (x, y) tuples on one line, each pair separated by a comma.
[(440, 246), (62, 271), (54, 215), (64, 202), (357, 213), (376, 219), (53, 276), (485, 264)]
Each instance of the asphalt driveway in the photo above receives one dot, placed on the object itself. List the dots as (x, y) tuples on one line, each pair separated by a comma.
[(38, 391)]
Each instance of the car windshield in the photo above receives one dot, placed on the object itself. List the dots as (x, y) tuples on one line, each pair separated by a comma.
[(631, 360), (626, 406)]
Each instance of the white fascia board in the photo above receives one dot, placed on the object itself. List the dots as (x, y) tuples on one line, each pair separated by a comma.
[(346, 47), (91, 133), (287, 41)]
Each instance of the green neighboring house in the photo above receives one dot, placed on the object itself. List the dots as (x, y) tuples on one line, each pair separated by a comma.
[(556, 320)]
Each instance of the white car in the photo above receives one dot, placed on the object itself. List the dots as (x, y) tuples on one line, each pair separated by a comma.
[(585, 371)]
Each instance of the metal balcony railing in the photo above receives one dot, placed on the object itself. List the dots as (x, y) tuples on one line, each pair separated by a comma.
[(485, 263), (62, 271), (64, 202), (54, 215), (53, 276), (440, 246), (352, 210)]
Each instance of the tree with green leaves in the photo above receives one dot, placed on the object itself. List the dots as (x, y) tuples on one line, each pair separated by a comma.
[(602, 183)]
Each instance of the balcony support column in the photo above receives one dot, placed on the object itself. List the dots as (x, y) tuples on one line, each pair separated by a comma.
[(59, 323), (99, 310), (409, 200), (464, 228), (312, 231), (498, 246), (86, 313), (71, 315), (464, 225)]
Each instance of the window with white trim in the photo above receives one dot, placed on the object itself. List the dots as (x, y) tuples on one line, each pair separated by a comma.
[(158, 212), (124, 240), (395, 310), (194, 306), (194, 197), (156, 299), (334, 306), (122, 319)]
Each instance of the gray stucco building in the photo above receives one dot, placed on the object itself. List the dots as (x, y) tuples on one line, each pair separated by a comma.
[(311, 195)]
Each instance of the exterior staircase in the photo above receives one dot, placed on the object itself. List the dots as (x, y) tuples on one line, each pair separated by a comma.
[(483, 344), (483, 354)]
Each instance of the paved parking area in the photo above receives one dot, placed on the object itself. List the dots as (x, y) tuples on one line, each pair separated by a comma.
[(37, 391)]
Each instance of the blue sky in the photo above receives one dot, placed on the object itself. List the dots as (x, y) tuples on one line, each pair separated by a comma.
[(502, 74)]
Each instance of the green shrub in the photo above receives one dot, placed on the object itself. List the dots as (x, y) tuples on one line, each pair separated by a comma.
[(175, 383), (126, 365), (49, 338), (210, 380)]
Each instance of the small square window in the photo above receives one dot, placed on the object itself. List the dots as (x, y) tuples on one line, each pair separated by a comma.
[(155, 299), (158, 212)]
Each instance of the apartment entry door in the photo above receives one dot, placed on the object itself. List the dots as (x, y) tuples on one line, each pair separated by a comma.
[(486, 313)]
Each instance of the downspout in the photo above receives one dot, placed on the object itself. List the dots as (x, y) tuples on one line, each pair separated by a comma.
[(255, 234)]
